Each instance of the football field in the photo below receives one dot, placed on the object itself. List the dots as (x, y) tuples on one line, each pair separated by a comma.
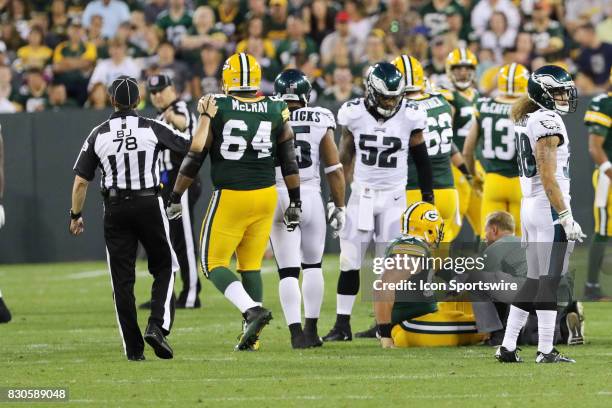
[(64, 334)]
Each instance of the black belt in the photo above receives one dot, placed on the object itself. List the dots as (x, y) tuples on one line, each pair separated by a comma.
[(119, 194)]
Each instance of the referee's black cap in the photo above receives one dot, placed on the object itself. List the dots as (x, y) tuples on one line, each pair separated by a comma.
[(124, 91), (157, 83)]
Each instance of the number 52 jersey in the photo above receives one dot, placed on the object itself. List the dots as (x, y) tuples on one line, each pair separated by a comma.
[(381, 146), (536, 125)]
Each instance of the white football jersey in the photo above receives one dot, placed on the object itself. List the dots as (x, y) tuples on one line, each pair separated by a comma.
[(381, 146), (534, 126), (309, 126)]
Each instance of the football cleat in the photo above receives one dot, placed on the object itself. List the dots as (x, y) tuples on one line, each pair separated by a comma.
[(370, 333), (256, 318), (312, 339), (299, 342), (156, 339), (553, 357), (503, 355), (5, 314), (338, 333), (575, 334)]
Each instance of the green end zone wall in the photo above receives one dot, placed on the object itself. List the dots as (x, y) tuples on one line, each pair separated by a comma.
[(40, 150)]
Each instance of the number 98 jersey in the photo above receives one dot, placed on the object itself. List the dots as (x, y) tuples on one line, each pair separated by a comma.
[(309, 126), (528, 131), (245, 133), (381, 147)]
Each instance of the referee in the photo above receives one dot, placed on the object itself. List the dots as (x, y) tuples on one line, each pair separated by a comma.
[(175, 113), (126, 148)]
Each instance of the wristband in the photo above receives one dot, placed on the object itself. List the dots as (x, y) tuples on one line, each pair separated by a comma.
[(75, 216), (294, 194), (206, 114), (174, 198), (605, 166), (384, 330)]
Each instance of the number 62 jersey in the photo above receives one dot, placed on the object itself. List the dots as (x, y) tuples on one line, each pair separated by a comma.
[(536, 125), (381, 146)]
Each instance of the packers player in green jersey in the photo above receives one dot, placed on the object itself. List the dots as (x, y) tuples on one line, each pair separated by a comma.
[(461, 70), (439, 138), (491, 138), (598, 119), (245, 134)]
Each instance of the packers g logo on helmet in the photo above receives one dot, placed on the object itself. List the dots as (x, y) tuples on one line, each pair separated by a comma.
[(512, 79), (461, 57), (241, 72), (412, 70), (422, 220)]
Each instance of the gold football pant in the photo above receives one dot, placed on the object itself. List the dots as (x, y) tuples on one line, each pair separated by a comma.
[(452, 325), (237, 221), (447, 203), (500, 193), (603, 215), (469, 202)]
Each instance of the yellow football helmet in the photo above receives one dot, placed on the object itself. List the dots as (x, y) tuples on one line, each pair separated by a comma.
[(461, 57), (241, 72), (512, 80), (412, 70), (422, 220)]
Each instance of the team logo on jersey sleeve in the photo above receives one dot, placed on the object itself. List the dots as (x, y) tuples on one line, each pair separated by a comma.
[(550, 124)]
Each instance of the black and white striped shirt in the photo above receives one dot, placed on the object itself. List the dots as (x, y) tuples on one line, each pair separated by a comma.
[(126, 148), (170, 160)]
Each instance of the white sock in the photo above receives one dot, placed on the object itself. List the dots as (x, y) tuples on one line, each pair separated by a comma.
[(344, 304), (546, 329), (236, 294), (516, 320), (313, 286), (0, 294), (291, 299)]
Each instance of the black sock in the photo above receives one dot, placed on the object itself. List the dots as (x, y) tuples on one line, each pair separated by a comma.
[(310, 325), (295, 329), (343, 320), (596, 256)]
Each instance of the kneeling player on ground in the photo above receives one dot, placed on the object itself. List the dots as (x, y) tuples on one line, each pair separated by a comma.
[(314, 135)]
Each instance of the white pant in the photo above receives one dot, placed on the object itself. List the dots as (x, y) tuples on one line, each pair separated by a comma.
[(305, 244), (548, 250), (382, 210)]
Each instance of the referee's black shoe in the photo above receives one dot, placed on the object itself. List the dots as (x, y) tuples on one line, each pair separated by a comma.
[(256, 318), (136, 357), (156, 339), (5, 314)]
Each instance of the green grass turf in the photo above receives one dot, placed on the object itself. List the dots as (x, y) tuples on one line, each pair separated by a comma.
[(64, 334)]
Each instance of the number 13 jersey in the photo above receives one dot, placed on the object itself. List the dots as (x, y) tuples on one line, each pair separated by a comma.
[(245, 133), (533, 127), (381, 147)]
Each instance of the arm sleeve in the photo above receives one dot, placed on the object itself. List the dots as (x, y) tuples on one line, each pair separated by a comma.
[(87, 162), (170, 138), (422, 162)]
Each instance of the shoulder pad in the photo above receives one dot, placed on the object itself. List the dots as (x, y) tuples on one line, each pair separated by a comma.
[(410, 104), (329, 119), (447, 94), (275, 98)]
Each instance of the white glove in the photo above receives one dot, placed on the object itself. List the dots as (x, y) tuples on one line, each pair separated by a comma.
[(336, 218), (174, 211), (1, 215), (571, 227)]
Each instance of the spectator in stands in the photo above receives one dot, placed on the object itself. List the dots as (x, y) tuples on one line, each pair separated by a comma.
[(10, 37), (340, 58), (257, 8), (524, 49), (203, 31), (98, 97), (498, 36), (6, 106), (139, 28), (207, 73), (276, 23), (375, 52), (125, 34), (41, 20), (333, 40), (604, 28), (59, 19), (482, 12), (435, 13), (58, 98), (578, 12), (177, 70), (547, 34), (593, 62), (94, 36), (230, 16), (73, 61), (398, 22), (458, 25), (32, 96), (118, 64), (296, 42), (174, 22), (153, 9), (255, 30), (435, 67), (341, 90), (320, 20), (269, 66), (359, 26), (113, 13), (19, 15), (36, 54)]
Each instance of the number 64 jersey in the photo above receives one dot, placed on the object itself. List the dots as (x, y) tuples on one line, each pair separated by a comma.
[(381, 147), (536, 125)]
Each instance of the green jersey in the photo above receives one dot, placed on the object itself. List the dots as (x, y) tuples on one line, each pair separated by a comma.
[(438, 138), (598, 119), (464, 113), (412, 303), (496, 148), (245, 133), (174, 29)]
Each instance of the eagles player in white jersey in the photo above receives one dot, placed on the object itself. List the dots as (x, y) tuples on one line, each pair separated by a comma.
[(548, 228), (378, 131), (303, 247)]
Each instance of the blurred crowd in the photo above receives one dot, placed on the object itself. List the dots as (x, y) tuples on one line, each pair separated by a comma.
[(57, 54)]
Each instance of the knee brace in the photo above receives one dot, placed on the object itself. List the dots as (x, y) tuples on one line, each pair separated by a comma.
[(289, 273), (348, 282), (526, 295), (546, 298)]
